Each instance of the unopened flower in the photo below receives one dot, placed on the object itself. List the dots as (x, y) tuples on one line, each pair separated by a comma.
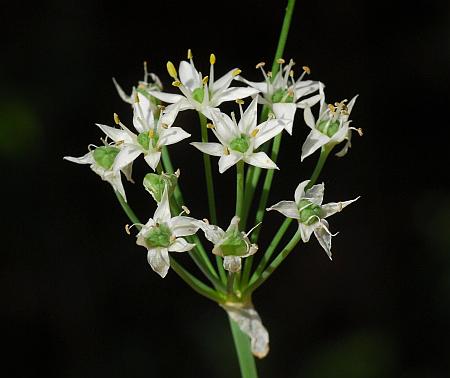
[(199, 92), (232, 244), (331, 128), (240, 140), (311, 214), (152, 135), (163, 234), (283, 94), (101, 160), (156, 184)]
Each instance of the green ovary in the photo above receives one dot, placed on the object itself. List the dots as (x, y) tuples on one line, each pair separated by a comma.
[(104, 156), (158, 236), (328, 127), (144, 139), (240, 144), (198, 94), (280, 94), (310, 214), (234, 244)]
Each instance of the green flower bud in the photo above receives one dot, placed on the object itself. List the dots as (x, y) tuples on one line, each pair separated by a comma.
[(158, 236), (311, 214), (155, 184), (104, 156), (234, 244), (240, 144), (280, 94), (198, 94), (328, 127)]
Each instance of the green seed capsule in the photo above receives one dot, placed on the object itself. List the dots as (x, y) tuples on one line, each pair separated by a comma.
[(310, 214), (198, 94), (104, 156), (158, 237), (328, 127), (281, 94), (240, 144), (234, 244)]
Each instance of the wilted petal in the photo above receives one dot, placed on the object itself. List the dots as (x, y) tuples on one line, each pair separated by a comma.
[(323, 236), (214, 149), (313, 142), (287, 208), (180, 245), (305, 231), (315, 194), (184, 226), (227, 161), (260, 159), (153, 158), (212, 232), (335, 207), (300, 191), (250, 323), (232, 263), (158, 259)]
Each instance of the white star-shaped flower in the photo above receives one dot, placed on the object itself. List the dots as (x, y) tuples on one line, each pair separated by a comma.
[(101, 160), (152, 135), (199, 92), (163, 234), (232, 244), (283, 94), (310, 213), (240, 140), (331, 128)]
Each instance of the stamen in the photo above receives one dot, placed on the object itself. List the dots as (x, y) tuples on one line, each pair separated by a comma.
[(176, 83), (236, 72), (116, 119), (269, 74), (205, 80), (331, 108), (212, 59), (359, 131), (206, 221), (128, 227), (254, 132), (145, 71), (186, 210), (260, 65), (171, 70), (164, 125), (209, 125), (240, 101), (119, 142), (253, 228), (91, 145), (189, 54), (306, 69), (281, 61)]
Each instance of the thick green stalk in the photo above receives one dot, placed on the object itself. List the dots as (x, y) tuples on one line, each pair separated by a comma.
[(239, 188), (244, 352), (208, 172), (273, 265)]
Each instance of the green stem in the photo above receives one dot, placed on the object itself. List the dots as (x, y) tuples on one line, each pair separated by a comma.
[(128, 211), (243, 350), (324, 152), (169, 169), (273, 265), (239, 188), (208, 172)]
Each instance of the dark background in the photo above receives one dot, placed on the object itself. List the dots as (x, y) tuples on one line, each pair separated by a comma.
[(78, 298)]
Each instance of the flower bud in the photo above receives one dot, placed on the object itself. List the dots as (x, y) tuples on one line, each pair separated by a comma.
[(155, 184)]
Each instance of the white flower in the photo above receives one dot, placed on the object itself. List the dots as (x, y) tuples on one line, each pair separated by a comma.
[(142, 91), (331, 128), (283, 94), (231, 244), (239, 141), (311, 214), (101, 160), (163, 234), (199, 92), (152, 135)]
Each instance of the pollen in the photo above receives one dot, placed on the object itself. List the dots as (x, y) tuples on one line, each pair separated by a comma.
[(281, 61), (254, 132), (205, 80), (240, 101), (116, 119), (171, 70), (260, 64), (189, 54), (332, 108), (176, 83), (306, 69), (212, 59), (236, 72)]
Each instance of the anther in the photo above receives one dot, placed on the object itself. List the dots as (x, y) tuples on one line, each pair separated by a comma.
[(127, 229), (151, 133), (212, 59), (254, 132), (116, 119), (269, 74), (206, 221), (161, 107), (260, 64), (176, 83), (171, 70), (209, 125), (177, 173), (186, 210), (291, 73), (205, 80), (306, 69), (236, 72), (226, 151), (240, 101), (281, 61), (189, 54), (164, 125)]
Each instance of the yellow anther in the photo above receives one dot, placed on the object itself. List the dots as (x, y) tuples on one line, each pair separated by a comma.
[(212, 59), (226, 151), (189, 54), (291, 92), (269, 74), (116, 119), (164, 125), (119, 142), (205, 80), (306, 69), (254, 132), (281, 61), (332, 108), (151, 133), (209, 125), (176, 83), (260, 64), (291, 73), (236, 72), (136, 98), (171, 70), (240, 101), (186, 210)]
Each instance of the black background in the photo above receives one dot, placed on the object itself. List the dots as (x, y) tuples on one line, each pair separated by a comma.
[(78, 298)]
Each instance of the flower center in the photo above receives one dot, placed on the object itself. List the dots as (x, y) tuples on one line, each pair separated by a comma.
[(145, 138), (104, 156), (198, 94), (282, 95), (234, 244), (309, 212), (328, 127), (158, 236), (240, 144)]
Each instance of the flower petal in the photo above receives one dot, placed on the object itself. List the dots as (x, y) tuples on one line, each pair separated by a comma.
[(232, 263), (158, 258), (152, 159), (315, 194), (308, 102), (214, 149), (313, 142), (260, 159), (126, 156), (180, 245), (305, 231), (85, 159), (261, 86), (323, 236), (184, 226), (249, 119), (335, 207), (300, 191), (212, 232), (172, 135), (169, 98), (121, 92), (285, 111), (309, 118), (269, 129), (234, 93), (162, 212), (224, 127), (287, 208), (189, 76), (115, 134), (170, 113), (227, 161)]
